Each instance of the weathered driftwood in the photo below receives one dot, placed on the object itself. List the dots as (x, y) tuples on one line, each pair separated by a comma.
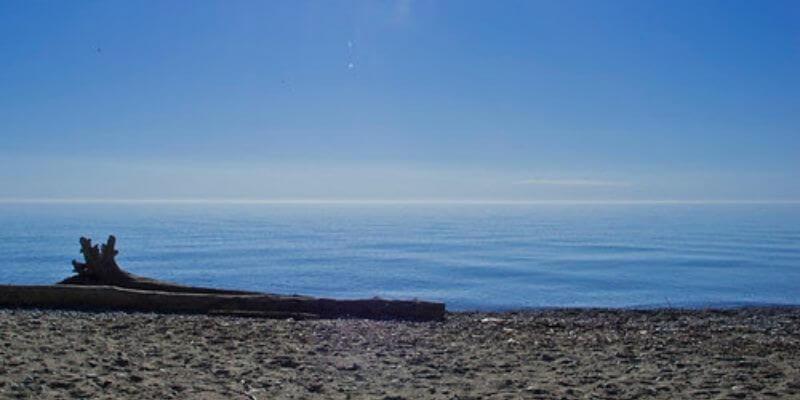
[(100, 284), (263, 305), (100, 268)]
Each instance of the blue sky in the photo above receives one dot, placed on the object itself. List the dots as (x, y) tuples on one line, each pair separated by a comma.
[(528, 100)]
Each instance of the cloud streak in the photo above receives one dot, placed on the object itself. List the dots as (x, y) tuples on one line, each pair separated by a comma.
[(573, 182)]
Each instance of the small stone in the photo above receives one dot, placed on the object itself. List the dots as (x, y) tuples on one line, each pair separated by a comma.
[(60, 385), (349, 367), (121, 362), (535, 390), (177, 388), (285, 362), (315, 387)]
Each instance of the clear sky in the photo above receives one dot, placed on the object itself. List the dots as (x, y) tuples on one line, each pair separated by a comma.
[(477, 100)]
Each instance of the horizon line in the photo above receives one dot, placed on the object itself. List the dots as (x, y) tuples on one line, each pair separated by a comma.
[(385, 201)]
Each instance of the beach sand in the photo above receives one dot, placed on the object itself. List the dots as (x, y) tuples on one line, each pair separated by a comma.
[(558, 354)]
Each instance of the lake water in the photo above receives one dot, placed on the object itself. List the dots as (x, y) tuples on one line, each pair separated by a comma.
[(471, 256)]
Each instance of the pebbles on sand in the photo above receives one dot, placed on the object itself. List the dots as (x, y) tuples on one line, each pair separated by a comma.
[(750, 353)]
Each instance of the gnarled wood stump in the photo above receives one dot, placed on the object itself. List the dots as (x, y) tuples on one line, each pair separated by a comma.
[(100, 268)]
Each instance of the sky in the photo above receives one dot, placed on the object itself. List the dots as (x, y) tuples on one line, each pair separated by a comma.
[(401, 100)]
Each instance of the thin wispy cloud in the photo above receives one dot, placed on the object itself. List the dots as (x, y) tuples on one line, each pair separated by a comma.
[(572, 182)]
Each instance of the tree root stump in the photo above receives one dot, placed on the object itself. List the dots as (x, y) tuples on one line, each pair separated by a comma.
[(100, 269)]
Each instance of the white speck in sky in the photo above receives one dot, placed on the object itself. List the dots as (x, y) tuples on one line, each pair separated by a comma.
[(350, 64)]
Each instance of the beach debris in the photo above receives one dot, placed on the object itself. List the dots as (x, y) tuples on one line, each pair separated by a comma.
[(100, 283), (100, 268), (100, 264)]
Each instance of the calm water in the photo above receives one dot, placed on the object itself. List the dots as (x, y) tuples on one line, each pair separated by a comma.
[(469, 256)]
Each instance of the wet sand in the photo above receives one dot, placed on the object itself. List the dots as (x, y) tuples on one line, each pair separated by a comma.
[(556, 354)]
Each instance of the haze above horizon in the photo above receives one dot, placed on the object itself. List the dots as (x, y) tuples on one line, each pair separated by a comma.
[(470, 101)]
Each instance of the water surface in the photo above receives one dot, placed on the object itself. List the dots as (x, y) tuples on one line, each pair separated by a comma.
[(471, 256)]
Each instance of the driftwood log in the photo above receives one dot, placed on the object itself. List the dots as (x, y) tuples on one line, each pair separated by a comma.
[(256, 305), (100, 284)]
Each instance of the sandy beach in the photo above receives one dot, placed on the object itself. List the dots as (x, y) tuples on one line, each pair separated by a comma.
[(554, 354)]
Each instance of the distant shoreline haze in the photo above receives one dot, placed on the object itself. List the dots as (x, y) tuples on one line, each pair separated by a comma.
[(389, 201)]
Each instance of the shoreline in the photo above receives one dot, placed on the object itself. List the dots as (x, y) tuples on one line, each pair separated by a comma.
[(538, 354)]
